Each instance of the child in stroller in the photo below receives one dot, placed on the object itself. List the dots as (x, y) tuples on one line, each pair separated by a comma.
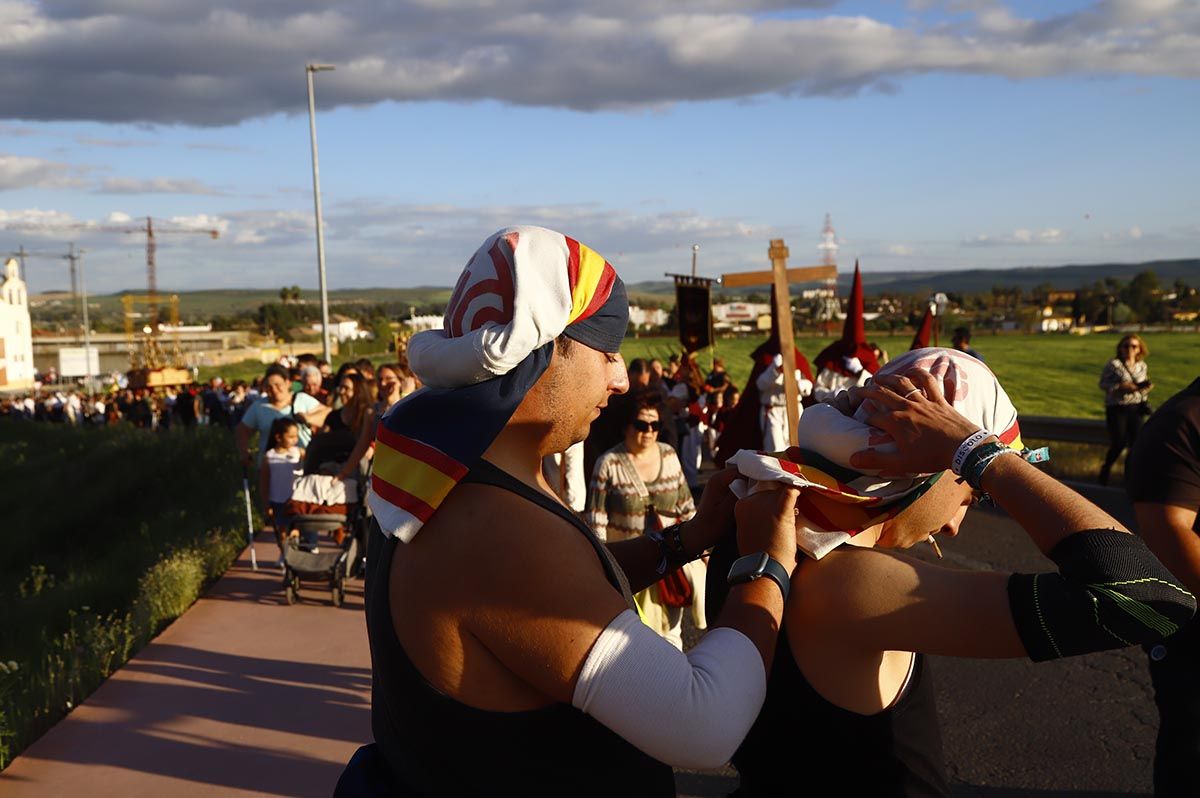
[(322, 502)]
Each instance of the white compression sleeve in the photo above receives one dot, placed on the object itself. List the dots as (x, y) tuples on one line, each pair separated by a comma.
[(688, 710)]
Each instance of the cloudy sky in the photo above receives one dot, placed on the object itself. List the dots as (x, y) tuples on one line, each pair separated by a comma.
[(938, 133)]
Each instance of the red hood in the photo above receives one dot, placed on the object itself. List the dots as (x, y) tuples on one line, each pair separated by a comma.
[(921, 339), (854, 336)]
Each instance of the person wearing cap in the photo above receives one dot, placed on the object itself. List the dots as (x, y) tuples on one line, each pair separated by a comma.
[(773, 398), (508, 657), (850, 361), (889, 467)]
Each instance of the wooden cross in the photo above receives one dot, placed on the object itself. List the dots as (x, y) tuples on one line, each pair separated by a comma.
[(779, 277)]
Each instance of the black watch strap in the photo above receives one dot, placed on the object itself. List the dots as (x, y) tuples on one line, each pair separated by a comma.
[(756, 566)]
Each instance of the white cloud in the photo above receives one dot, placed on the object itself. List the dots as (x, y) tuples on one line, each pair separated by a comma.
[(217, 64), (155, 185), (900, 250), (1135, 233), (1019, 237), (18, 172)]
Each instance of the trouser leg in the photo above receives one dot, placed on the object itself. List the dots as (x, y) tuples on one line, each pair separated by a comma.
[(1174, 670)]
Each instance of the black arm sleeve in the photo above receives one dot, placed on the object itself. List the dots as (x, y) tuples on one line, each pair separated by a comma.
[(1110, 592)]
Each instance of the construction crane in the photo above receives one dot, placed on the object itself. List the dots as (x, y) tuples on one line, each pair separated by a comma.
[(72, 257), (151, 245)]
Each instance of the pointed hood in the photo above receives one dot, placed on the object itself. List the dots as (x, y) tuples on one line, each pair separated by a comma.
[(924, 331), (853, 343)]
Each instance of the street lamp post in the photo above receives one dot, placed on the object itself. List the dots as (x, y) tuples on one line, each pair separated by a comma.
[(309, 69), (695, 251), (77, 257)]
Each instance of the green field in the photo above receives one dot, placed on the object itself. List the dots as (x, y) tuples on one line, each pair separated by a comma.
[(1046, 375)]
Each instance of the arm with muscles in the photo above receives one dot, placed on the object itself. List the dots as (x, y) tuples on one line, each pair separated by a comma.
[(1109, 592), (688, 710), (1169, 531)]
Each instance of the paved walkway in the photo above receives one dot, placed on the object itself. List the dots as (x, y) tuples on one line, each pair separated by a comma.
[(241, 696)]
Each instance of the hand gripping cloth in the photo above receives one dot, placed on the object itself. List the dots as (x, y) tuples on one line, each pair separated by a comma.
[(838, 501), (521, 289)]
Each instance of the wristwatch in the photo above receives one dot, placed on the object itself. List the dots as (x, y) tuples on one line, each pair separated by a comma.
[(755, 566)]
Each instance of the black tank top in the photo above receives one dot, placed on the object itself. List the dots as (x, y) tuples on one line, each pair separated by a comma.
[(437, 746), (896, 753)]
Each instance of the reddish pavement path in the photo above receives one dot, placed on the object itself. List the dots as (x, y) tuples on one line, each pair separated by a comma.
[(243, 695)]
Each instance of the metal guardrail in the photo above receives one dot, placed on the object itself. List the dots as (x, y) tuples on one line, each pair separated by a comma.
[(1069, 430)]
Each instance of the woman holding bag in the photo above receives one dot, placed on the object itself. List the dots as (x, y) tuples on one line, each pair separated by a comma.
[(635, 485), (1125, 382)]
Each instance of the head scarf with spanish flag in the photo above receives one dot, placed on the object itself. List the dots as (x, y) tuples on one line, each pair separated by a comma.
[(853, 344), (837, 501), (521, 289)]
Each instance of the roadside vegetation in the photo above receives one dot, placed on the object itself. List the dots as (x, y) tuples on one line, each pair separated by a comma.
[(112, 533)]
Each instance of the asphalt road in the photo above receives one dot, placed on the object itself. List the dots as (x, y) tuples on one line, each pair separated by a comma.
[(1083, 726), (1011, 729)]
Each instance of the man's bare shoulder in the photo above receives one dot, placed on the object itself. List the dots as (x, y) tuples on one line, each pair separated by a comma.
[(496, 535)]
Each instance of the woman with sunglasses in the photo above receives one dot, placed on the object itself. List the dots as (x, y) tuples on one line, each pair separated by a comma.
[(1125, 382), (637, 482)]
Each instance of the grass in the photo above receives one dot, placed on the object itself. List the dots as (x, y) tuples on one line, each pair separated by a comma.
[(95, 564), (1045, 375)]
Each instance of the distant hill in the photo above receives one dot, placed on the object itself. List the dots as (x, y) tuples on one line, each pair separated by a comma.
[(974, 281), (226, 301)]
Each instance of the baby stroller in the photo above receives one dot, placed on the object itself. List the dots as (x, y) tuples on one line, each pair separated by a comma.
[(321, 504)]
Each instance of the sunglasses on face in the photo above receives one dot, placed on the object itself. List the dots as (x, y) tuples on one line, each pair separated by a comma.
[(646, 426)]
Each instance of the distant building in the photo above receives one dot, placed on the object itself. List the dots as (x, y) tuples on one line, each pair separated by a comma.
[(741, 316), (343, 329), (642, 318), (16, 331), (432, 321)]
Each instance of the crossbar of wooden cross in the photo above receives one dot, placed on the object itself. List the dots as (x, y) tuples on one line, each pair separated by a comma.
[(779, 277)]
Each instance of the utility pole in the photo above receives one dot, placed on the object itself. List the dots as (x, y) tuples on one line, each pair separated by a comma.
[(695, 251), (309, 69), (72, 257)]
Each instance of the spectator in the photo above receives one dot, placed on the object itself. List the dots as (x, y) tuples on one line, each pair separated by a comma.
[(658, 383), (187, 406), (637, 482), (280, 466), (1162, 477), (1126, 383), (608, 428), (215, 403), (365, 367), (335, 443), (313, 384), (962, 342), (279, 402), (390, 390)]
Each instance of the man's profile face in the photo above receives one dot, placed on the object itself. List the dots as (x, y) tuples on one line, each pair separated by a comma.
[(312, 381), (576, 386)]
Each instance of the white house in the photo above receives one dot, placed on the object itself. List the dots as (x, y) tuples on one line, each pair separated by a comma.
[(343, 329), (432, 321), (741, 316), (641, 318), (16, 332)]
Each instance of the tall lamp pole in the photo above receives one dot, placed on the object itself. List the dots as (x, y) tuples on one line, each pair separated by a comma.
[(695, 252), (309, 69), (76, 257)]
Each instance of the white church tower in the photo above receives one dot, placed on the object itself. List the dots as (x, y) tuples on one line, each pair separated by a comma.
[(16, 333)]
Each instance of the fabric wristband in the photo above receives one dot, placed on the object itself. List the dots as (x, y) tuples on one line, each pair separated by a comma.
[(979, 459), (965, 448), (670, 546)]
